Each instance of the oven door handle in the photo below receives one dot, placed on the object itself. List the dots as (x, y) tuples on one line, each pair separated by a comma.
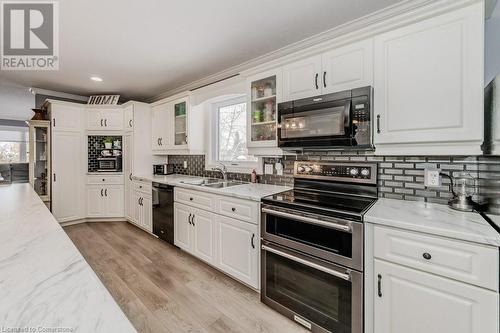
[(344, 276), (331, 225)]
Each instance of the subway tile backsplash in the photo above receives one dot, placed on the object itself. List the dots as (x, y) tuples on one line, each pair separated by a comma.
[(399, 177)]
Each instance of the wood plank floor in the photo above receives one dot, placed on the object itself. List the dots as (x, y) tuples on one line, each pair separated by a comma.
[(162, 289)]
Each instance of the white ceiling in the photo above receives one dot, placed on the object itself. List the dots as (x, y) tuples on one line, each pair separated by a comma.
[(143, 48)]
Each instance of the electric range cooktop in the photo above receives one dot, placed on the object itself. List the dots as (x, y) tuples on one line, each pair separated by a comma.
[(334, 189)]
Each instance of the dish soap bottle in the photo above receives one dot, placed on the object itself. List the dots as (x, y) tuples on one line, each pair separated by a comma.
[(253, 176)]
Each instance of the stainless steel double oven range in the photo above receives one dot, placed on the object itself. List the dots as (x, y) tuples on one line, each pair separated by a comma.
[(312, 245)]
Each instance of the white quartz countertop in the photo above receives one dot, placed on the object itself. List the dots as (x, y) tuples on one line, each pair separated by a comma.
[(433, 219), (44, 280), (246, 191)]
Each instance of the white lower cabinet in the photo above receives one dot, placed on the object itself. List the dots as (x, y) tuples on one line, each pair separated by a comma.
[(141, 209), (411, 301), (105, 200), (228, 244), (238, 248)]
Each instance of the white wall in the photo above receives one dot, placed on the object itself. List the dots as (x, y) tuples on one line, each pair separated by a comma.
[(16, 101), (492, 46)]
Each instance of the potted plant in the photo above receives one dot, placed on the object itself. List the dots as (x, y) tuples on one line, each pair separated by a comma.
[(108, 143)]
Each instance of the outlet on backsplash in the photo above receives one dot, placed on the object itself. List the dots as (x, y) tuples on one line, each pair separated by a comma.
[(432, 178)]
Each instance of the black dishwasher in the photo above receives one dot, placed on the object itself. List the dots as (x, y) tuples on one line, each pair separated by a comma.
[(163, 211)]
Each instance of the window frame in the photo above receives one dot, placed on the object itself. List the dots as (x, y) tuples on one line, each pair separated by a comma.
[(213, 147)]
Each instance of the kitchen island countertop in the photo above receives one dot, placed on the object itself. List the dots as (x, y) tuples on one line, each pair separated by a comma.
[(45, 283)]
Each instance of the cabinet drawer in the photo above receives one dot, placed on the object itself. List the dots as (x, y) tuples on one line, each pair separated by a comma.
[(143, 187), (467, 262), (201, 200), (244, 210), (105, 179)]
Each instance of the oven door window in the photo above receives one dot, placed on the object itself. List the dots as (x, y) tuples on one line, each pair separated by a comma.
[(322, 238), (314, 123), (315, 295)]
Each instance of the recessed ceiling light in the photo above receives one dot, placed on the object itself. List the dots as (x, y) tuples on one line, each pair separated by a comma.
[(96, 78)]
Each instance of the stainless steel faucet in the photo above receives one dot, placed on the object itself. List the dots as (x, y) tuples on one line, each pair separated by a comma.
[(222, 169)]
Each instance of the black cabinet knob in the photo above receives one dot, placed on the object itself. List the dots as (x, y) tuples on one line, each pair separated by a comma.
[(233, 209), (427, 256), (191, 199)]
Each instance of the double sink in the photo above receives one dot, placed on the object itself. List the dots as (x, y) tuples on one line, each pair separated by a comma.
[(213, 183)]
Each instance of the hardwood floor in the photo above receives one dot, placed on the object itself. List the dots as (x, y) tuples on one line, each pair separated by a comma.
[(162, 289)]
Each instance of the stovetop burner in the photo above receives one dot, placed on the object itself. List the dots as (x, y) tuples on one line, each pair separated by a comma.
[(331, 189)]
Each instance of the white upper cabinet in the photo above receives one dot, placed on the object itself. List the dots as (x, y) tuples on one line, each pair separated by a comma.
[(428, 87), (176, 129), (128, 118), (104, 119), (301, 79), (66, 116), (161, 127), (348, 67), (342, 68)]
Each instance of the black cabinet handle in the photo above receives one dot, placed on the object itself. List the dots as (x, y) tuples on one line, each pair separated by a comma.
[(130, 176), (252, 241), (101, 192), (233, 209), (427, 256), (101, 122), (139, 201), (106, 122), (130, 123), (192, 220), (189, 218), (378, 123), (55, 178), (54, 121), (324, 79), (379, 285), (316, 81), (106, 192)]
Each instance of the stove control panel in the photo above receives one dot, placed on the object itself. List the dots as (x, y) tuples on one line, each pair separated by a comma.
[(347, 172)]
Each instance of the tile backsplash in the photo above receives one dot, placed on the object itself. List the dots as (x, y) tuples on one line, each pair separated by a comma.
[(95, 145), (399, 177)]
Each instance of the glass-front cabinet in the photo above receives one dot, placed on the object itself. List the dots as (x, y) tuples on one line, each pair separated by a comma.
[(39, 158), (263, 97), (180, 123)]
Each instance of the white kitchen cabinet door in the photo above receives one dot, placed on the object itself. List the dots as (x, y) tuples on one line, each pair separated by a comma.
[(137, 208), (128, 148), (128, 118), (95, 121), (113, 119), (428, 85), (411, 301), (115, 200), (161, 127), (147, 213), (238, 250), (203, 224), (182, 227), (67, 176), (96, 202), (302, 79), (347, 67), (66, 117)]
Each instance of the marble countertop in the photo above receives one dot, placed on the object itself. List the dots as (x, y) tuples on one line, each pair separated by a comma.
[(44, 280), (495, 219), (247, 191), (433, 219)]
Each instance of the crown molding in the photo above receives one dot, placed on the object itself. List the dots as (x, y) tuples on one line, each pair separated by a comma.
[(388, 18), (39, 91)]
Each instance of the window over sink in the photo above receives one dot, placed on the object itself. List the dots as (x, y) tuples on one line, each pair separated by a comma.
[(229, 138)]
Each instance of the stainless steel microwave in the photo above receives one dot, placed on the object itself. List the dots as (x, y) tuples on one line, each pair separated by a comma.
[(340, 120)]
